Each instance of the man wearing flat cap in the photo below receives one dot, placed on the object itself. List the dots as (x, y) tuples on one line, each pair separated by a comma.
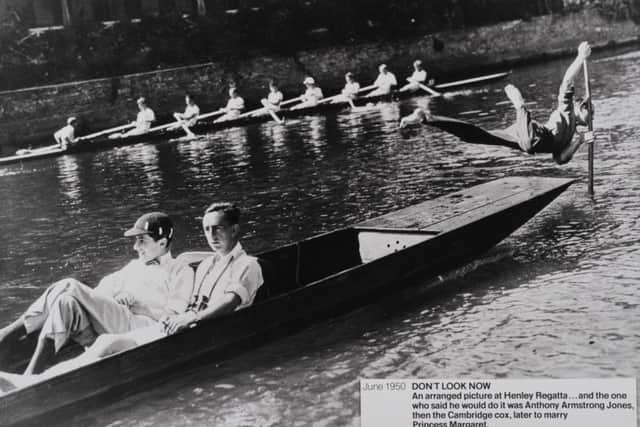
[(147, 289)]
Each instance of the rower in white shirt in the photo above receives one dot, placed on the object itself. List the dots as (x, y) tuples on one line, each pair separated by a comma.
[(145, 118), (143, 122), (273, 100), (350, 90), (234, 106), (188, 118), (65, 137), (311, 96), (418, 77), (385, 82)]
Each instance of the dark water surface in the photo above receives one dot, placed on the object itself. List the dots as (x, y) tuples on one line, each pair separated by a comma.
[(559, 298)]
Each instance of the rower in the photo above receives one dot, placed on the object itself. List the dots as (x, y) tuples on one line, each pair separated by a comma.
[(234, 107), (188, 118), (145, 118), (65, 137), (273, 100), (311, 96), (385, 82), (419, 77), (143, 122), (350, 90)]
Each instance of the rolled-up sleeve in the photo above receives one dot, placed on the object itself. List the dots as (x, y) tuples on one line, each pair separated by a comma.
[(245, 282), (180, 288)]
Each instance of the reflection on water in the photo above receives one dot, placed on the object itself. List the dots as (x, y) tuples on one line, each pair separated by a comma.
[(559, 298)]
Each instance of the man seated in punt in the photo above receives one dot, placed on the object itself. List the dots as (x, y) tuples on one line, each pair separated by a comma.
[(226, 281), (146, 290)]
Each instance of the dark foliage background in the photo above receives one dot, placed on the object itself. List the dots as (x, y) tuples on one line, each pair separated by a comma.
[(93, 49)]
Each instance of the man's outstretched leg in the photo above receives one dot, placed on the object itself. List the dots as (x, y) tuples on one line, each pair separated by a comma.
[(523, 131), (514, 95)]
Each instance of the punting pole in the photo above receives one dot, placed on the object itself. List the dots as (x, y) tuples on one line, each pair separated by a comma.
[(587, 88)]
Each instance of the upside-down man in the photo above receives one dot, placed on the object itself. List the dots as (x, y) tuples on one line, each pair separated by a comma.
[(555, 136)]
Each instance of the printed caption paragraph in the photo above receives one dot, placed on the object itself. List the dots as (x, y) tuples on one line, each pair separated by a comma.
[(498, 403)]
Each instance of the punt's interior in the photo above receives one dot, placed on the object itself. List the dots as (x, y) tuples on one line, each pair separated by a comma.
[(298, 264)]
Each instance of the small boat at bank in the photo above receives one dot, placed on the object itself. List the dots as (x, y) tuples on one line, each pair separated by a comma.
[(305, 282), (209, 125)]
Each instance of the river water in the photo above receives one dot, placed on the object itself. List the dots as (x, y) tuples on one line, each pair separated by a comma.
[(559, 298)]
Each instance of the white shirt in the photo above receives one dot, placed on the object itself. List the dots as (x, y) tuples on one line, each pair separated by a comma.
[(312, 94), (235, 104), (418, 76), (145, 118), (275, 98), (66, 134), (218, 275), (191, 112), (159, 290), (351, 89), (385, 81)]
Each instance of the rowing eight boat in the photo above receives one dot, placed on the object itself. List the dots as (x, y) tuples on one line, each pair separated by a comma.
[(165, 132), (401, 252)]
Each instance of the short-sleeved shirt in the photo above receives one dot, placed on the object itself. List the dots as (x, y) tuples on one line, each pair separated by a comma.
[(145, 118), (385, 81), (351, 89), (65, 136), (216, 276), (275, 98), (419, 76), (235, 104), (191, 113), (312, 94)]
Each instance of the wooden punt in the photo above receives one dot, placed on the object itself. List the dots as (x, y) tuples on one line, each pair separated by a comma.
[(208, 125), (309, 281)]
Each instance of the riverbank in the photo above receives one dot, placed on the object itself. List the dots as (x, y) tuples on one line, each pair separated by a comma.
[(30, 115)]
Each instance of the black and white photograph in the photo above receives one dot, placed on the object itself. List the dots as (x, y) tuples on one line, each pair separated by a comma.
[(264, 212)]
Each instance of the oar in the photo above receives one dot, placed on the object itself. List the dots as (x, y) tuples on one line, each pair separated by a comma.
[(273, 114), (162, 127), (211, 114), (429, 90), (331, 98), (102, 132), (282, 104), (257, 110), (177, 122), (587, 88), (291, 101)]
